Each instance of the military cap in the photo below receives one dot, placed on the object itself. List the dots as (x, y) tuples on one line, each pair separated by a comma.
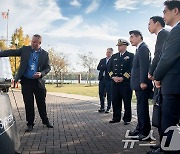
[(122, 42)]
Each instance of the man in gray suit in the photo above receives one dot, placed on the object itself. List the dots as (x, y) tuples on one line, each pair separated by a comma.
[(141, 84), (34, 66), (167, 72)]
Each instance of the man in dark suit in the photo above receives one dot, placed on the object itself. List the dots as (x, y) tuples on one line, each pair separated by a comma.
[(34, 66), (155, 26), (120, 71), (105, 81), (167, 72), (141, 84)]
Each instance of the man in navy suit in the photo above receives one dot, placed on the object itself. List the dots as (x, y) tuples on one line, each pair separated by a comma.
[(141, 84), (34, 66), (120, 71), (105, 82), (167, 72), (155, 26)]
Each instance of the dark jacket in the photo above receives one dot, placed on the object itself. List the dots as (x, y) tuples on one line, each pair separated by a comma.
[(103, 69), (141, 64), (121, 66), (168, 68), (24, 53), (161, 37)]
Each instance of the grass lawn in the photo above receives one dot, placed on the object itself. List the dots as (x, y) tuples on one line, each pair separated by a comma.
[(79, 89)]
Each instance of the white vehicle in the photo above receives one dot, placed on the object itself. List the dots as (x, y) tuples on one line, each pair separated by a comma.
[(5, 74)]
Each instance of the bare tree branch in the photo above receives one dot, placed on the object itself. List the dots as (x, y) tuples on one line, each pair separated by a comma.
[(89, 62), (59, 64)]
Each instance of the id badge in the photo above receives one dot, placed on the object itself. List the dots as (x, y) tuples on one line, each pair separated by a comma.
[(32, 67)]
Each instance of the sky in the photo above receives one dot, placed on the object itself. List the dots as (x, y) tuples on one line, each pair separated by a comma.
[(81, 26)]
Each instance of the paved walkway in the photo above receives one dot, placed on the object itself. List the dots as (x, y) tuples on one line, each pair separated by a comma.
[(78, 128)]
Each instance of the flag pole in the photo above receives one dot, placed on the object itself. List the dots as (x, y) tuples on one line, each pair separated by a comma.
[(7, 26)]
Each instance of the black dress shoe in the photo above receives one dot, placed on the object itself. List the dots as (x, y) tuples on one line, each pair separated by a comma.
[(133, 133), (49, 125), (107, 111), (101, 110), (114, 121), (126, 123), (29, 128), (155, 147)]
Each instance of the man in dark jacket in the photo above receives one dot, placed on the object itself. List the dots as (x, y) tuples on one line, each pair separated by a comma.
[(105, 82), (167, 72), (34, 66), (120, 71), (155, 26), (141, 84)]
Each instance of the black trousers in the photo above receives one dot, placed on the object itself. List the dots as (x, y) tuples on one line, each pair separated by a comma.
[(143, 125), (121, 91), (170, 117), (105, 89), (30, 88), (158, 92)]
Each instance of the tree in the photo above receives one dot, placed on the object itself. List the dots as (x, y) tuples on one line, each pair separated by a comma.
[(27, 40), (17, 36), (59, 64), (89, 62), (3, 44), (18, 40)]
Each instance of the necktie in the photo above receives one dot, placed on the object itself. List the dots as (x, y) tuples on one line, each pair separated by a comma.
[(107, 61)]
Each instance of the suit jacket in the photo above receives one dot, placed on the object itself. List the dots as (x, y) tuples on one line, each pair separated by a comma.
[(141, 64), (168, 68), (103, 69), (162, 36), (121, 66), (24, 53)]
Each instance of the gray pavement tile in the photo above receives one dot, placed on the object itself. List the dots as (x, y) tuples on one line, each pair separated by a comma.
[(78, 128)]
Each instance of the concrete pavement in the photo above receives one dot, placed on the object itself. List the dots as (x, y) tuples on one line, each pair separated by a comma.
[(78, 128)]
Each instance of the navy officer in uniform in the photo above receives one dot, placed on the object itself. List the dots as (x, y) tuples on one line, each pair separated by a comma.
[(119, 70)]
